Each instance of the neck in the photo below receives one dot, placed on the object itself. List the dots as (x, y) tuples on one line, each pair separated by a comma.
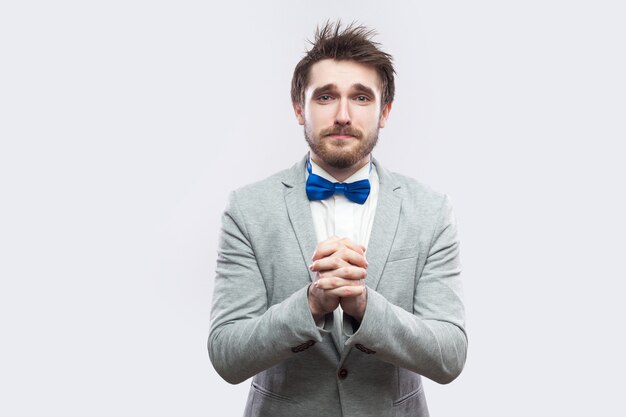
[(340, 174)]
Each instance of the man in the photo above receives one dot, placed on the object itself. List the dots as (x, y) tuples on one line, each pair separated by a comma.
[(337, 282)]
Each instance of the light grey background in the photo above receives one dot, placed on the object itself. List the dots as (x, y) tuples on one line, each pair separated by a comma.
[(124, 125)]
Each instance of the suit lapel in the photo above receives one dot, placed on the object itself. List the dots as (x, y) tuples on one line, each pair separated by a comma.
[(299, 212), (384, 228)]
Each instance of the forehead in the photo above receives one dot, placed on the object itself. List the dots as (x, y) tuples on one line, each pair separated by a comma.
[(343, 74)]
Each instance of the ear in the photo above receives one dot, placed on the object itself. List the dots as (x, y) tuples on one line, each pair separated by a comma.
[(299, 110), (384, 114)]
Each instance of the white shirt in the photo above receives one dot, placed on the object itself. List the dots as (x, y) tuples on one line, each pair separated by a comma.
[(338, 216), (341, 217)]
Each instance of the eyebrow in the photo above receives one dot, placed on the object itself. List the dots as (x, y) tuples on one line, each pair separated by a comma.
[(364, 89), (324, 89), (331, 88)]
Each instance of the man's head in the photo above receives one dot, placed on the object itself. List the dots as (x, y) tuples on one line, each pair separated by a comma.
[(342, 92)]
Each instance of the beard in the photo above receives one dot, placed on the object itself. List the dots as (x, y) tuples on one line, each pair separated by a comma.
[(341, 153)]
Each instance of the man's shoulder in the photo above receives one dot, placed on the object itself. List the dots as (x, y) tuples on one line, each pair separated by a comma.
[(420, 202), (415, 185), (267, 189), (415, 190), (261, 186)]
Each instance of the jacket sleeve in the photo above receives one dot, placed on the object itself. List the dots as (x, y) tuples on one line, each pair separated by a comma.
[(247, 336), (431, 341)]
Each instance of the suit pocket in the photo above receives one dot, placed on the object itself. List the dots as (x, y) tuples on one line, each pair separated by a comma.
[(407, 397), (271, 395), (402, 253), (411, 404)]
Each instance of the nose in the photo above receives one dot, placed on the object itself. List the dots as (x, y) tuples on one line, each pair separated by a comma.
[(342, 117)]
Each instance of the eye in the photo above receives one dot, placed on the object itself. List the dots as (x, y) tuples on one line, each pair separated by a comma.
[(362, 99), (324, 97)]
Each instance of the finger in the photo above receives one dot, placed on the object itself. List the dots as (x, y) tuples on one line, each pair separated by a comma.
[(321, 296), (342, 257), (336, 282), (346, 272), (347, 291), (351, 257), (332, 245), (323, 247), (329, 263), (360, 249)]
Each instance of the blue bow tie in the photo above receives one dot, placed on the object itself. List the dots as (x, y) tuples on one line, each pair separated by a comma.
[(318, 188)]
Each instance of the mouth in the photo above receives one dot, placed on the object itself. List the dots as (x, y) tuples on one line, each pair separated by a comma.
[(341, 133), (338, 136)]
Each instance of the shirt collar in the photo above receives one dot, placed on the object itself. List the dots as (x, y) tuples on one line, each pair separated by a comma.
[(362, 174)]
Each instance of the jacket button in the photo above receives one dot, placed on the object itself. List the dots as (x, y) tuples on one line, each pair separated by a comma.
[(343, 373)]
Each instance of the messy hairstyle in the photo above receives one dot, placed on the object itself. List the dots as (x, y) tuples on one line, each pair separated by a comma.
[(354, 43)]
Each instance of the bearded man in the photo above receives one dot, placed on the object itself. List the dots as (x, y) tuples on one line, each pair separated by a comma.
[(338, 282)]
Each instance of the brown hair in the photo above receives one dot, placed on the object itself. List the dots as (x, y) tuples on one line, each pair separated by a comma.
[(350, 43)]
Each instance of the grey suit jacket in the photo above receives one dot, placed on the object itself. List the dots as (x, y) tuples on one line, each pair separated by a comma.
[(261, 325)]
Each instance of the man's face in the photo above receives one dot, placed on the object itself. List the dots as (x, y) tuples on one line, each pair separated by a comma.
[(342, 112)]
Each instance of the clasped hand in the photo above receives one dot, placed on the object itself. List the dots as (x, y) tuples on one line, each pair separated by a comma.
[(340, 268)]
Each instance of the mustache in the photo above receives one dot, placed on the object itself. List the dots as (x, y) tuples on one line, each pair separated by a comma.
[(342, 130)]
